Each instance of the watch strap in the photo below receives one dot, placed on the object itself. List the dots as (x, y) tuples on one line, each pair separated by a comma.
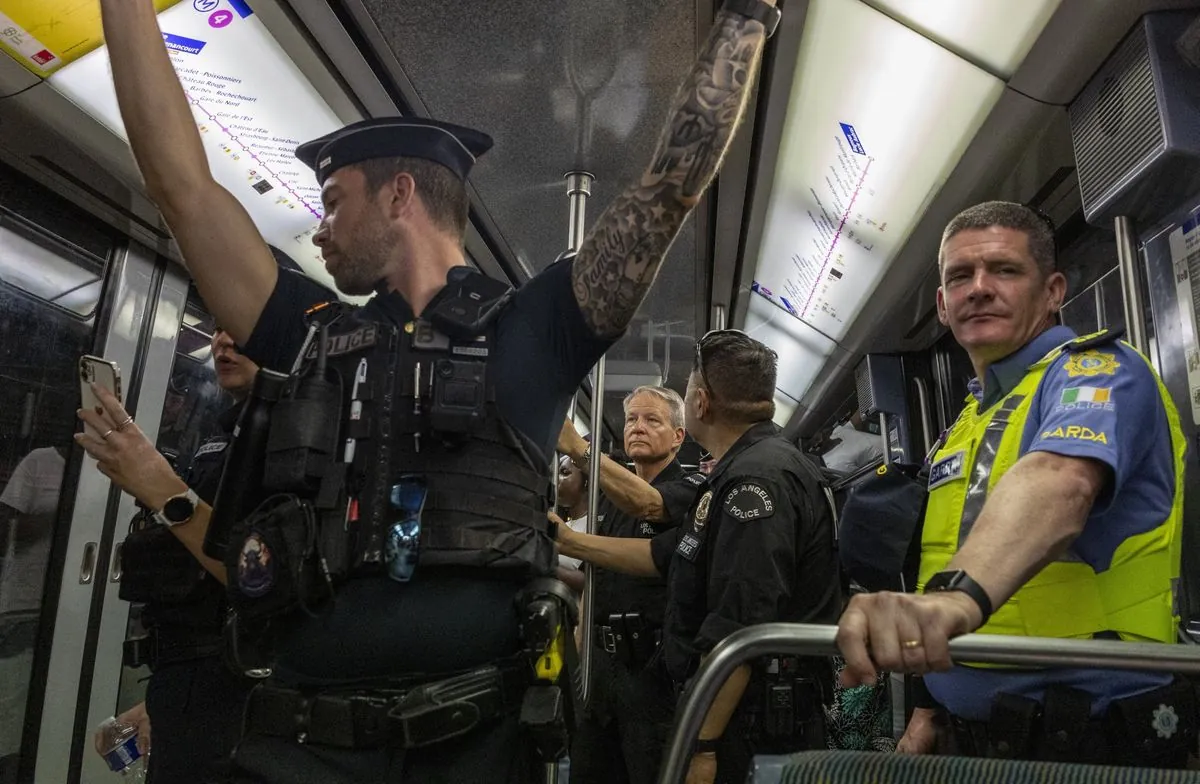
[(706, 746), (960, 581)]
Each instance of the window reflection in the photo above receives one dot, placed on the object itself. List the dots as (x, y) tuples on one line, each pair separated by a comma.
[(48, 298)]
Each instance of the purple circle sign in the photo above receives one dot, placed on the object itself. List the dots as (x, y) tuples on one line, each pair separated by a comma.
[(220, 18)]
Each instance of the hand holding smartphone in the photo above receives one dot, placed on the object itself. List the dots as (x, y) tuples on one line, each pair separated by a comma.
[(101, 372)]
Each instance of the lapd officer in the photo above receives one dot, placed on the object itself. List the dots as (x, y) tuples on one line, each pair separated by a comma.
[(433, 515), (1054, 511), (629, 716), (758, 547), (192, 699)]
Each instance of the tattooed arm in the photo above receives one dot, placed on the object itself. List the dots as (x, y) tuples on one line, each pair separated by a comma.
[(621, 254)]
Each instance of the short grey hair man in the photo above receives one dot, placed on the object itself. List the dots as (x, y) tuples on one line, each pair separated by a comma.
[(669, 396)]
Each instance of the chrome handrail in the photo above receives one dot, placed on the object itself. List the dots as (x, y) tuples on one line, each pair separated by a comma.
[(799, 639)]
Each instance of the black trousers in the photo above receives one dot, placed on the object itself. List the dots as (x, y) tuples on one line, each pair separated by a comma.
[(490, 754), (195, 712), (623, 737)]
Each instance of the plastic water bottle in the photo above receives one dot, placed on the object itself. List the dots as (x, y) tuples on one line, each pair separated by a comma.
[(121, 752)]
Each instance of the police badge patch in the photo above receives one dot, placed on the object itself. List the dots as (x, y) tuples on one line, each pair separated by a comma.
[(748, 501), (1090, 364), (701, 516), (256, 567)]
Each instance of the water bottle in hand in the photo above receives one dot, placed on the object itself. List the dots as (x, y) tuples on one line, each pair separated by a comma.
[(117, 742)]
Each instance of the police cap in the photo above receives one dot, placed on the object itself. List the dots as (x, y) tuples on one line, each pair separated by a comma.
[(453, 146)]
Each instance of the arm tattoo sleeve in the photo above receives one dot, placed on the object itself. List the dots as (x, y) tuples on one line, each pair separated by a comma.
[(621, 254)]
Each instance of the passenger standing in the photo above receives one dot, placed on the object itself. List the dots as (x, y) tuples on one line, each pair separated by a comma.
[(628, 720), (1055, 510)]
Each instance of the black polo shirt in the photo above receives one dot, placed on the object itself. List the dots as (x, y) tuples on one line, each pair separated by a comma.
[(619, 593), (757, 547), (448, 620)]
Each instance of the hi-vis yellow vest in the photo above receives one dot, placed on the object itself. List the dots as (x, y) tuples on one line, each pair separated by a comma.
[(1133, 597)]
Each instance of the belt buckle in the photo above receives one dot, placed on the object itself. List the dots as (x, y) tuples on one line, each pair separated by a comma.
[(608, 639)]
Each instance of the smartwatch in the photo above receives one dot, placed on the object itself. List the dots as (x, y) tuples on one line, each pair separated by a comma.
[(178, 509), (958, 580), (767, 15)]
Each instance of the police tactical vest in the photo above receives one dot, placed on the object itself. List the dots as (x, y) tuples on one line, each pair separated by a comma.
[(400, 432), (1133, 597)]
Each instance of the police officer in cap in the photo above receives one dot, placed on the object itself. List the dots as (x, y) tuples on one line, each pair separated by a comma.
[(629, 715), (757, 547), (193, 700), (421, 495)]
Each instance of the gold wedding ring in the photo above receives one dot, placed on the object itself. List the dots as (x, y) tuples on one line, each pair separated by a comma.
[(910, 644), (126, 422), (105, 435)]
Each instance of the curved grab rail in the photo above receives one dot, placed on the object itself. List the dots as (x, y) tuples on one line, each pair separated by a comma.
[(800, 639)]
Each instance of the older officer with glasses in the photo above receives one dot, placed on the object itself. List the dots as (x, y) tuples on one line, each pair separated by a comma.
[(755, 547)]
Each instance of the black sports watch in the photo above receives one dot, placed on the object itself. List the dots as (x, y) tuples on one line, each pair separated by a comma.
[(958, 580), (757, 10), (178, 509), (706, 746)]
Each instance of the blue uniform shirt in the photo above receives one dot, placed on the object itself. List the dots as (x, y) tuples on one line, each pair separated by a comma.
[(1101, 404)]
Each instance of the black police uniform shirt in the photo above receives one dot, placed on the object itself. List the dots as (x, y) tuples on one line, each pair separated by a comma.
[(438, 622), (619, 593), (757, 547), (205, 612)]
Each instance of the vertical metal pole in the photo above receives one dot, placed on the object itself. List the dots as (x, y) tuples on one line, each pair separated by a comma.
[(883, 433), (1131, 288), (579, 188)]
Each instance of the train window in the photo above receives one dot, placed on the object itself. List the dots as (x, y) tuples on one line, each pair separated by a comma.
[(193, 404), (48, 295), (38, 266)]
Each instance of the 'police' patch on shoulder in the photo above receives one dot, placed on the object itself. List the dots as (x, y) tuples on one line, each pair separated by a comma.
[(1091, 363), (696, 479), (748, 501), (212, 447), (947, 469), (688, 547)]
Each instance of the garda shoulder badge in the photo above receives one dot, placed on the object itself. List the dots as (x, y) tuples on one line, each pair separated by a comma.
[(701, 516), (748, 501), (1091, 363)]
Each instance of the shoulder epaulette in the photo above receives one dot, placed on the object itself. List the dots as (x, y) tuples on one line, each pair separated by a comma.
[(1102, 338)]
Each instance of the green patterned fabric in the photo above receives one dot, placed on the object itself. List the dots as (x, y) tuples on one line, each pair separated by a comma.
[(846, 767), (860, 718)]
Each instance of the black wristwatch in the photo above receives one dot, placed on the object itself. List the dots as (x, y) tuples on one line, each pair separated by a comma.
[(178, 509), (958, 580), (767, 15), (706, 746)]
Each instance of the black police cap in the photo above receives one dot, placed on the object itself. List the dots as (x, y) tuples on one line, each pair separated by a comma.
[(453, 146)]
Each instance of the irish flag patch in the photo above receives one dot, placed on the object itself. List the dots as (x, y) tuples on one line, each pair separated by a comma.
[(1085, 395)]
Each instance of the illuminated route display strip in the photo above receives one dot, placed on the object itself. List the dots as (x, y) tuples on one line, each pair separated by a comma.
[(251, 103), (877, 118)]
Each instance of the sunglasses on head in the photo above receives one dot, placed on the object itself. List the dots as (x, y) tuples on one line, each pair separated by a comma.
[(707, 340)]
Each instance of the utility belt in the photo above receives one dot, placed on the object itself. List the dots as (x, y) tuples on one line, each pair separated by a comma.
[(406, 714), (629, 638), (785, 702), (156, 650), (1152, 730)]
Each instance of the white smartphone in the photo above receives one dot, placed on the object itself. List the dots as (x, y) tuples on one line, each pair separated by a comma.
[(101, 372)]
